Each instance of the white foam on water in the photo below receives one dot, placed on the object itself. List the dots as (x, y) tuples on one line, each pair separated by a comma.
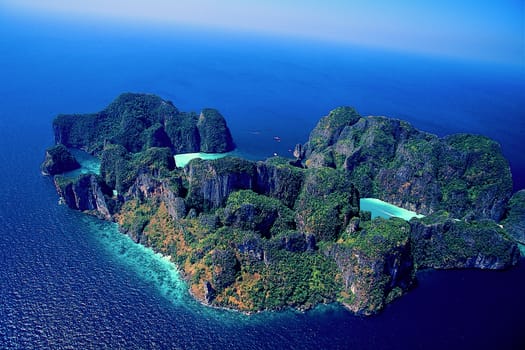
[(151, 267)]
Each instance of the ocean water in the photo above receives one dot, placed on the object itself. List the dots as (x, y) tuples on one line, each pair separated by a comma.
[(72, 281)]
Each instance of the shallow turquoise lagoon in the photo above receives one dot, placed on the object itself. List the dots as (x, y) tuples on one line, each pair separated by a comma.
[(386, 210)]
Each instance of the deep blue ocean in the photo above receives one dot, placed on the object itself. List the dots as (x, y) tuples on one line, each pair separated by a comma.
[(68, 281)]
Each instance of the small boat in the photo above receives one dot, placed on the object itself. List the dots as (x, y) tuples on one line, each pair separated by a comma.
[(277, 138)]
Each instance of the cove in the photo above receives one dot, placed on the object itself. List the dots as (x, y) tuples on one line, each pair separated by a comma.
[(181, 160), (378, 208), (88, 164)]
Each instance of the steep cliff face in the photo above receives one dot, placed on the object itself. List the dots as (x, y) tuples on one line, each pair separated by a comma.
[(249, 211), (466, 175), (376, 264), (326, 203), (140, 121), (147, 187), (268, 235), (514, 222), (443, 243), (210, 183), (120, 168), (58, 160), (328, 131), (214, 134), (277, 179), (86, 193)]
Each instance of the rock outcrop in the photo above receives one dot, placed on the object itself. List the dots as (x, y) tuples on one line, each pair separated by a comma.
[(86, 193), (443, 243), (140, 121), (514, 222), (120, 168), (389, 159), (210, 183), (375, 263), (277, 179), (58, 160), (290, 233), (215, 137), (326, 203)]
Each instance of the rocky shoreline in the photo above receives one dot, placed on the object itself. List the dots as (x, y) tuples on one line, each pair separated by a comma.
[(255, 236)]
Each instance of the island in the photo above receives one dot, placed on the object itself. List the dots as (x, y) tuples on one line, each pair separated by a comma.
[(291, 233)]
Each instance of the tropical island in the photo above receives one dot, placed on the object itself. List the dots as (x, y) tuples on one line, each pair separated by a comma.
[(267, 235)]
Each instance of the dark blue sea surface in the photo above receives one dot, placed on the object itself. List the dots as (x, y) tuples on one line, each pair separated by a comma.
[(71, 281)]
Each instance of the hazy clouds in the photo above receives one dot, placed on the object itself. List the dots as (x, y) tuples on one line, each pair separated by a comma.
[(490, 30)]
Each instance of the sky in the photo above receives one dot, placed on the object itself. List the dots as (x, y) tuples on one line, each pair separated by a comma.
[(483, 30)]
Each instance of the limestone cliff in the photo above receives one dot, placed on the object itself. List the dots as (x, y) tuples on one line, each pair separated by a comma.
[(441, 242), (376, 264), (389, 159), (86, 193), (140, 121), (283, 233), (58, 160), (514, 221)]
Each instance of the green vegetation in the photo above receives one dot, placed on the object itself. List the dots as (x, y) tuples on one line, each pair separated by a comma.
[(250, 211), (485, 172), (116, 168), (441, 242), (183, 133), (214, 134), (140, 121), (329, 127), (269, 235), (326, 203), (388, 159), (294, 279), (134, 216), (58, 160), (159, 160), (514, 222), (378, 236), (375, 262), (120, 168)]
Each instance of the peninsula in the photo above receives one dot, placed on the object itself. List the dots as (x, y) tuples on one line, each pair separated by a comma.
[(281, 233)]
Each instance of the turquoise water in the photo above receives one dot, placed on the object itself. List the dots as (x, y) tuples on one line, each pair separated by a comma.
[(151, 267), (386, 210), (184, 158), (71, 281), (88, 164)]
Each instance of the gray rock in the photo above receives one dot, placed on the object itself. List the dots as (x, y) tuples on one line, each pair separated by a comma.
[(389, 159), (211, 182), (209, 292), (58, 160), (443, 243), (514, 222), (86, 193)]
